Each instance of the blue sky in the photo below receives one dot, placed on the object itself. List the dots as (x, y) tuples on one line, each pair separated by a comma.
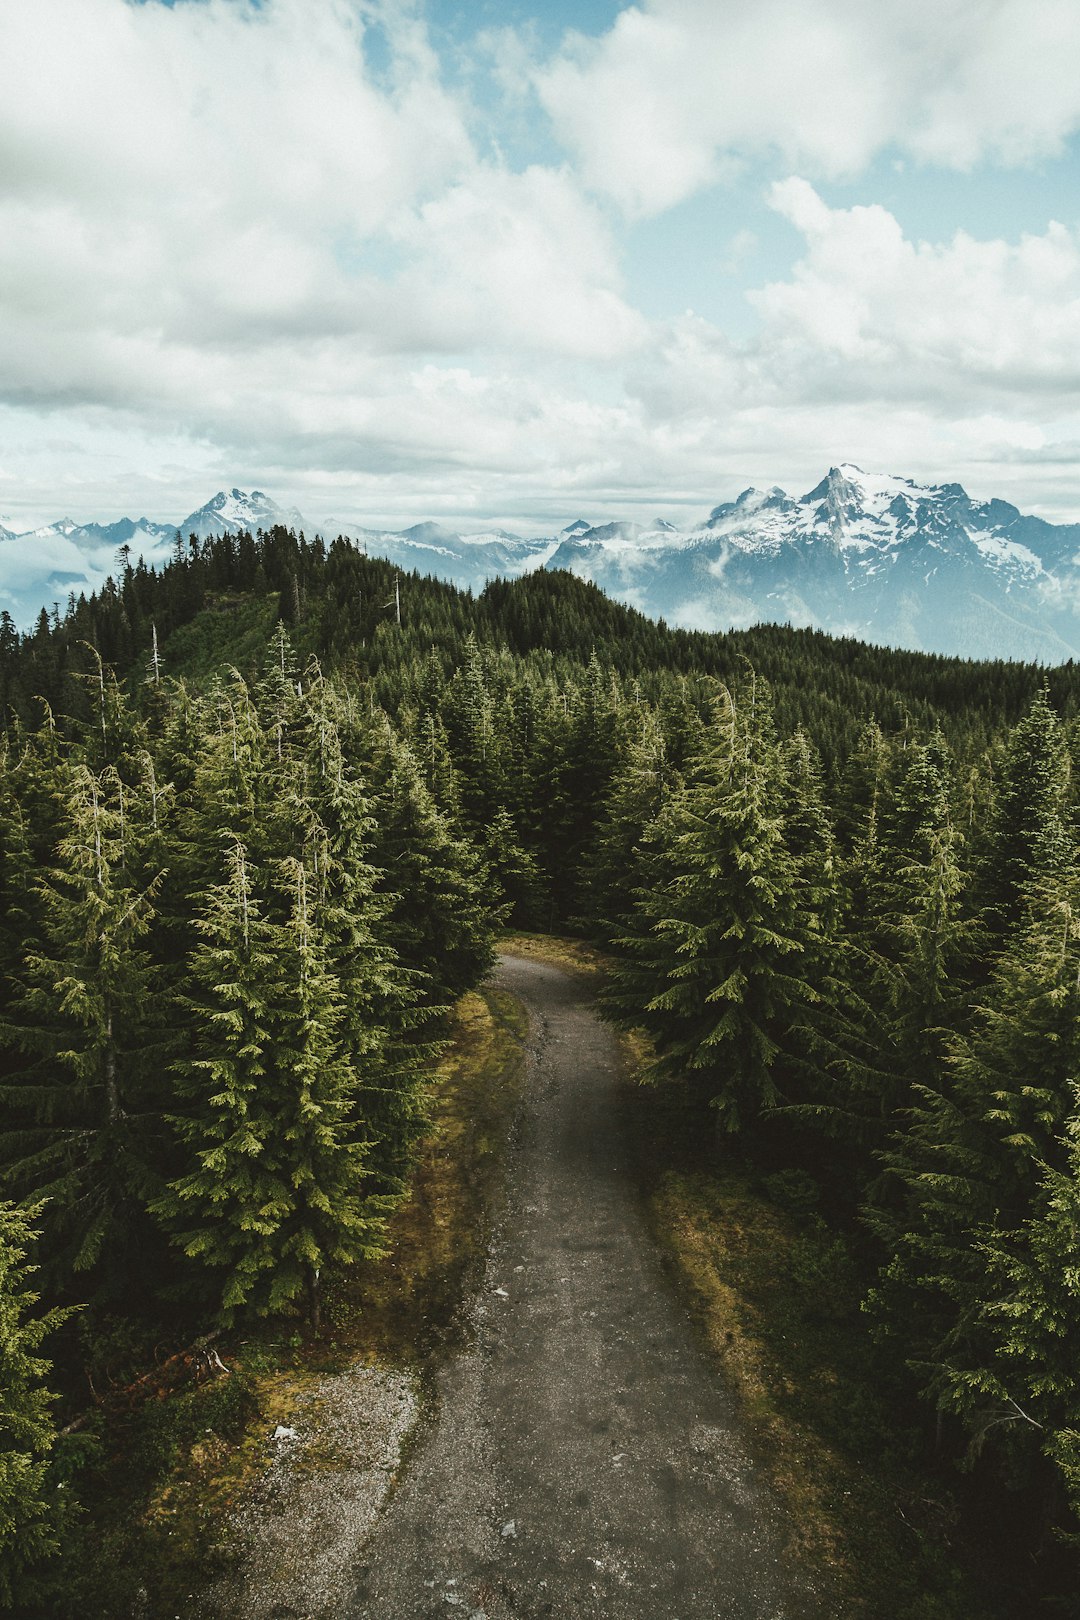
[(507, 262)]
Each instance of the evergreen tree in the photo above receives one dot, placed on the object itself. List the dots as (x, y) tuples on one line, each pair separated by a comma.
[(470, 715), (1028, 840), (711, 966), (1031, 1390), (974, 1156), (27, 1431), (369, 899), (439, 914), (277, 1187), (633, 803), (83, 1113)]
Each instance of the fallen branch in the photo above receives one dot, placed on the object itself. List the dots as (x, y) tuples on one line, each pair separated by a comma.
[(196, 1364)]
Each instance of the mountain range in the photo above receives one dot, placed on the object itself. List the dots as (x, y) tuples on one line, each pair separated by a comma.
[(876, 557)]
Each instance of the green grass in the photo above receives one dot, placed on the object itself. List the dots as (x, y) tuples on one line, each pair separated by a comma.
[(573, 955), (404, 1307)]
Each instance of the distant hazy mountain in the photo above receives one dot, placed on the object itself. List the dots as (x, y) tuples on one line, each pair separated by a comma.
[(880, 558), (466, 559), (45, 565), (42, 566)]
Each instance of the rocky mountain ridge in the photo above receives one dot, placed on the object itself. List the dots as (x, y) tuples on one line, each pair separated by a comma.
[(881, 558), (874, 556)]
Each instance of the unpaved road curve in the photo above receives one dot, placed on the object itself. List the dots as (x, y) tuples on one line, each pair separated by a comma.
[(583, 1458)]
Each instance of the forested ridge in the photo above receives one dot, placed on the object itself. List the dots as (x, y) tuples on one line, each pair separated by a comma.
[(263, 814)]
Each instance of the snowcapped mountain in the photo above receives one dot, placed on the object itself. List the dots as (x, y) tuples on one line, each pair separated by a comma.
[(128, 531), (45, 565), (232, 511), (880, 558), (41, 566), (861, 554), (139, 533)]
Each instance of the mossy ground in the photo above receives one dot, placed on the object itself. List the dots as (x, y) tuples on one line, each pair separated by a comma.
[(233, 630), (156, 1489), (573, 955)]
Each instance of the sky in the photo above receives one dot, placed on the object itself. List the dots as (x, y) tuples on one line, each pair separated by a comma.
[(515, 262)]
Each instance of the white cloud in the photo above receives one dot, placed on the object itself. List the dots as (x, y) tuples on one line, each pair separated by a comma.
[(220, 114), (679, 90), (231, 251), (870, 313), (211, 181), (521, 260)]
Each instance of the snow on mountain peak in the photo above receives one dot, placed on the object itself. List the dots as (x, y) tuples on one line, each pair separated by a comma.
[(859, 511), (861, 553), (875, 492), (231, 511)]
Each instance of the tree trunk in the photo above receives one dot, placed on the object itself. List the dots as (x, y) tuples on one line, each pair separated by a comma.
[(314, 1300), (112, 1089)]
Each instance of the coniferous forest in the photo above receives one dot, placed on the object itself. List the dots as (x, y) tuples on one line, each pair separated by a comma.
[(263, 816)]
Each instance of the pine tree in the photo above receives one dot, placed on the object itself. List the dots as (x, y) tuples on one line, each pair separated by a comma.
[(1028, 834), (277, 1187), (974, 1155), (712, 964), (470, 715), (374, 900), (439, 912), (1032, 1315), (27, 1431), (633, 803), (83, 1112)]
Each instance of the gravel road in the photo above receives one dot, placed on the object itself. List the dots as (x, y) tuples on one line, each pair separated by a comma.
[(582, 1457)]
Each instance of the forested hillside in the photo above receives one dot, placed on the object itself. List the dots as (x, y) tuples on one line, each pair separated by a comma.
[(263, 815)]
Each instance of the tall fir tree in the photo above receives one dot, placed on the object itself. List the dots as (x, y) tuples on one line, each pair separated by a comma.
[(974, 1156), (1028, 835), (277, 1187), (83, 1113), (712, 964)]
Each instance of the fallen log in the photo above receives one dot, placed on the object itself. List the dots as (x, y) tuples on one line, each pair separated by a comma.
[(195, 1365)]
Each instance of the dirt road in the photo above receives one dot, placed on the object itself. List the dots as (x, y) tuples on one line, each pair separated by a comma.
[(582, 1459)]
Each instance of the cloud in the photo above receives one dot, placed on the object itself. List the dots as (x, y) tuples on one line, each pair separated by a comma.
[(236, 238), (45, 569), (957, 359), (217, 181), (679, 91), (278, 245), (866, 312), (221, 114), (521, 260)]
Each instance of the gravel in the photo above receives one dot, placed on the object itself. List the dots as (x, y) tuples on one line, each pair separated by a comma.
[(329, 1470)]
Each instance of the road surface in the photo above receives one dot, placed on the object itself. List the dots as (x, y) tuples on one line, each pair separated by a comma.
[(583, 1458)]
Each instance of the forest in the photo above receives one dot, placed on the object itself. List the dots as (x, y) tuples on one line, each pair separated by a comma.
[(262, 817)]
